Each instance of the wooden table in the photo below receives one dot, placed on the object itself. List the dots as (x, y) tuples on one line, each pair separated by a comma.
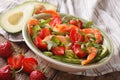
[(51, 73)]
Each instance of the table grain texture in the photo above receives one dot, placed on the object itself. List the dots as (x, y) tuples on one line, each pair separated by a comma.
[(51, 73)]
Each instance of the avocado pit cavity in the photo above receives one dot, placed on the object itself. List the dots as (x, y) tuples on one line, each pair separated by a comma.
[(15, 18)]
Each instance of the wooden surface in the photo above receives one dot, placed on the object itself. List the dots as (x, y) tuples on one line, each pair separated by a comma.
[(52, 74)]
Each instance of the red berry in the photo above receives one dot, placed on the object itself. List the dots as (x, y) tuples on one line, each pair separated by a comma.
[(44, 32), (40, 44), (29, 65), (6, 49), (5, 73), (55, 21), (37, 75), (76, 23), (78, 51), (59, 50), (16, 61)]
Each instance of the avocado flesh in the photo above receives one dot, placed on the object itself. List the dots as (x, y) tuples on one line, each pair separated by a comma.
[(15, 18)]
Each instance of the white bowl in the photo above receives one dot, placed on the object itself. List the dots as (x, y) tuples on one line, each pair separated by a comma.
[(61, 65)]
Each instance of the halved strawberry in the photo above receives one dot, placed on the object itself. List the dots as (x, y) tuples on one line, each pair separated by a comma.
[(16, 61), (44, 32), (29, 65), (59, 50), (78, 51), (40, 44)]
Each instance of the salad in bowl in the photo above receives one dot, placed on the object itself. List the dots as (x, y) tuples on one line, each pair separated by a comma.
[(67, 42)]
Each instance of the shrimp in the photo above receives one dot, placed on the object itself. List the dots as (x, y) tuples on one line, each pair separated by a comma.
[(92, 54), (51, 12), (95, 32), (39, 8), (47, 38), (63, 28), (30, 24), (62, 38)]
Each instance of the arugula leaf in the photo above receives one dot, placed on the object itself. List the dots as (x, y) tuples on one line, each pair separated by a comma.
[(35, 30), (56, 40), (83, 47), (92, 37), (51, 44), (62, 44), (65, 20), (88, 24), (57, 33), (44, 22)]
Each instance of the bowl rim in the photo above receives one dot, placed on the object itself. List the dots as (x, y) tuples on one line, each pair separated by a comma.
[(30, 44)]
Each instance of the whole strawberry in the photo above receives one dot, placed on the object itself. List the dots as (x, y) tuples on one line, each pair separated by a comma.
[(37, 75), (6, 49), (5, 73)]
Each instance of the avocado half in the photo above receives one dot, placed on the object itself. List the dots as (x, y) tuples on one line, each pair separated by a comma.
[(15, 18)]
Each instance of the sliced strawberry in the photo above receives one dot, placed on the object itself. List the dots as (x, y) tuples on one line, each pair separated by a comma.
[(29, 65), (78, 51), (76, 23), (44, 32), (59, 50), (55, 21), (16, 61), (6, 49), (76, 36), (40, 44)]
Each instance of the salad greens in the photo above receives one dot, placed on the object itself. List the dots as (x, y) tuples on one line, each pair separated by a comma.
[(69, 40)]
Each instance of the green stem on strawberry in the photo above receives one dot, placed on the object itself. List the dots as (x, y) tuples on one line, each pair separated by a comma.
[(19, 70)]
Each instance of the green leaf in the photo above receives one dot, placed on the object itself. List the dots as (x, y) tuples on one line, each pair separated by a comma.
[(57, 33), (83, 47), (56, 40), (88, 24), (62, 44), (65, 20), (35, 30), (92, 37), (68, 39), (51, 44), (48, 53), (70, 54), (50, 28), (44, 22)]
